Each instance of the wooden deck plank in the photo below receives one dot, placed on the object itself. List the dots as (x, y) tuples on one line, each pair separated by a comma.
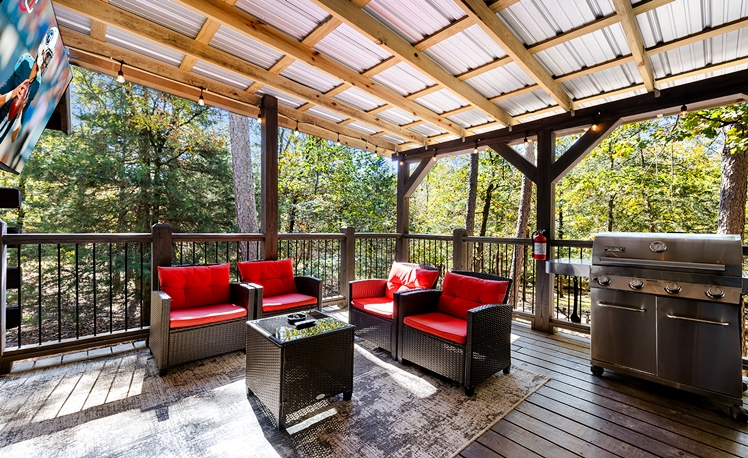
[(528, 439), (504, 447)]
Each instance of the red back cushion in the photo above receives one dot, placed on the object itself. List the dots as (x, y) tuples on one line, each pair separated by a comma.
[(276, 277), (461, 293), (405, 278), (195, 286)]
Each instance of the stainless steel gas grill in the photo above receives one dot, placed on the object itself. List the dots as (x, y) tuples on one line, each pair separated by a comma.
[(667, 308)]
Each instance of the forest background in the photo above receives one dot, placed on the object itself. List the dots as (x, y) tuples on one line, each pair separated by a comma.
[(137, 157)]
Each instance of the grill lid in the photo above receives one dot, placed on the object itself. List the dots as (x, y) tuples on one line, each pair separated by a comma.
[(703, 253)]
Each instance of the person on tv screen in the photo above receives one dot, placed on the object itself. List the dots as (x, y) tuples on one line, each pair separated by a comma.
[(21, 87)]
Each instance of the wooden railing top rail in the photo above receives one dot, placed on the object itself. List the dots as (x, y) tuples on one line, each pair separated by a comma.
[(377, 235), (210, 237), (572, 243), (428, 237), (320, 236), (32, 239), (506, 240)]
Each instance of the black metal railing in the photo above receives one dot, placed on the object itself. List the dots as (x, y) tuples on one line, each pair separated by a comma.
[(374, 254), (432, 250), (572, 293), (316, 255)]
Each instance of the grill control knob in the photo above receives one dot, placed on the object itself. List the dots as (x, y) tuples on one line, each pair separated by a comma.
[(603, 280), (715, 292), (673, 288), (635, 283)]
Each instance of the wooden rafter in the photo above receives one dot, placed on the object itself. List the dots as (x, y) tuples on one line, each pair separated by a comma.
[(206, 33), (381, 66), (581, 148), (365, 24), (635, 41), (87, 52), (444, 33), (513, 157), (321, 31), (248, 26), (499, 5), (163, 36), (499, 32), (415, 178)]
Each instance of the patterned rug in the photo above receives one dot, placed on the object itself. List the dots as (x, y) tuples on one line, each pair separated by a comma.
[(119, 406)]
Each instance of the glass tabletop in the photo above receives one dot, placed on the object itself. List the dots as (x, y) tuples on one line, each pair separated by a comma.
[(279, 329)]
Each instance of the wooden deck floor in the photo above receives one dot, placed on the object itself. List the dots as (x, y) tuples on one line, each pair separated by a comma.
[(578, 414)]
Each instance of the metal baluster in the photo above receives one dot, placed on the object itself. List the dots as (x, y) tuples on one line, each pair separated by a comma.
[(59, 295), (39, 260), (127, 305), (94, 289), (111, 292), (141, 284)]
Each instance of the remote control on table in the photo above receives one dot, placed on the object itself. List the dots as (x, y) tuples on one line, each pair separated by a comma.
[(305, 323)]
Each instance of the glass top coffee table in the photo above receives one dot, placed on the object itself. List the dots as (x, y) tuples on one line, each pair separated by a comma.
[(289, 369)]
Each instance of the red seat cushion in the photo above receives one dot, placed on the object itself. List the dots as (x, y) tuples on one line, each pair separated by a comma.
[(439, 324), (197, 316), (381, 306), (276, 277), (462, 293), (286, 301), (405, 278), (195, 286)]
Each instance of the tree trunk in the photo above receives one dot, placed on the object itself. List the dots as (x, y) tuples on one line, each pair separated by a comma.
[(244, 183), (472, 195), (732, 189), (523, 217)]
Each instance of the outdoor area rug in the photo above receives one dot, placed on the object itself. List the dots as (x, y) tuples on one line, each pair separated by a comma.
[(119, 406)]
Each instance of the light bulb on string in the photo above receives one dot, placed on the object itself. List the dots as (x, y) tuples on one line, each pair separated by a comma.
[(683, 110), (120, 73), (337, 142), (296, 130), (201, 100)]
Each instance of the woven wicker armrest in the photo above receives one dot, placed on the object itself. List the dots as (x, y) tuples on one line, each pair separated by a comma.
[(159, 328), (373, 287), (485, 317), (311, 287), (417, 302), (258, 292), (243, 295), (488, 344)]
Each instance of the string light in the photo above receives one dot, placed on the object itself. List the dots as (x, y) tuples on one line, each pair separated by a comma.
[(425, 146), (201, 100), (120, 73), (296, 131), (259, 113), (526, 140), (475, 150), (338, 140), (683, 110)]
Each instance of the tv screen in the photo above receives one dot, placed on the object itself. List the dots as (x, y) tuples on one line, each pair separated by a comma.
[(34, 73)]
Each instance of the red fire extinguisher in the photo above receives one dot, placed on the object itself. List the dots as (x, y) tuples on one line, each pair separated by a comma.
[(539, 245)]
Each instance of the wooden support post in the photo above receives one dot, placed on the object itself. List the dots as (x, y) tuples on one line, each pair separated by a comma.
[(459, 249), (160, 251), (546, 205), (5, 366), (403, 212), (269, 178), (348, 261)]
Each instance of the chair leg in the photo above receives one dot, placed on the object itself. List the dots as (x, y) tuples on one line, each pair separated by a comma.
[(506, 369), (162, 372), (469, 392)]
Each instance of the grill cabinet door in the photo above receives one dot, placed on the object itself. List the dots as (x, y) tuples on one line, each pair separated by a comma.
[(702, 354), (623, 329)]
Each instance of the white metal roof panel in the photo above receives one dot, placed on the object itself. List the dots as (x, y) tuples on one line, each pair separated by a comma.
[(585, 51), (219, 74), (542, 115), (427, 130), (626, 95), (715, 50), (480, 130), (506, 78), (403, 78), (396, 116), (523, 103), (533, 21), (310, 77), (352, 49), (166, 13), (359, 99), (71, 20), (361, 127), (470, 118), (441, 101), (392, 139), (703, 76), (245, 48), (282, 97), (603, 81), (468, 49), (147, 48), (326, 114), (294, 17), (414, 20)]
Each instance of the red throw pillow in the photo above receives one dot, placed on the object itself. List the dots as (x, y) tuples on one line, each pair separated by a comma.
[(461, 293), (426, 279), (195, 286), (276, 277), (402, 278)]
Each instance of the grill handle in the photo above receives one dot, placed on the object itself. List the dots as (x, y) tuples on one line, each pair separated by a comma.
[(718, 323), (632, 262), (601, 304)]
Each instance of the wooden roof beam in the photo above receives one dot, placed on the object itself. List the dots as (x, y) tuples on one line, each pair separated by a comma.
[(445, 32), (245, 24), (321, 31), (635, 41), (87, 52), (499, 32), (164, 36), (365, 24)]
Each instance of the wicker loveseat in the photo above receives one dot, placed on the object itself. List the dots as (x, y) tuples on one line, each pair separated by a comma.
[(462, 332), (374, 307), (197, 314), (278, 291)]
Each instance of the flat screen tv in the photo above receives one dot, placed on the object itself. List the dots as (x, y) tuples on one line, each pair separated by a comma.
[(34, 73)]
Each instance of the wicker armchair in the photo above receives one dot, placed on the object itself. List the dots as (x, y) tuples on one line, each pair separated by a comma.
[(277, 290), (197, 314), (374, 312), (467, 339)]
